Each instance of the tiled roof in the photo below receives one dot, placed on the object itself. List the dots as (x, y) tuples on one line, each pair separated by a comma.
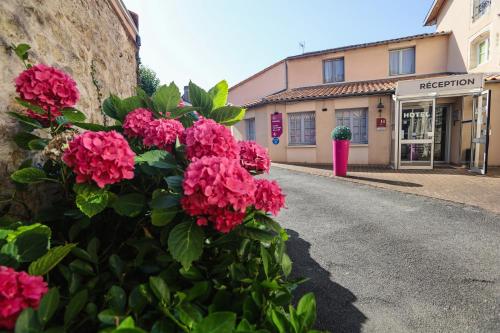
[(492, 77), (431, 16), (373, 87)]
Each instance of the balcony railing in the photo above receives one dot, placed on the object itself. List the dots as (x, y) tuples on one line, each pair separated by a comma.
[(480, 9)]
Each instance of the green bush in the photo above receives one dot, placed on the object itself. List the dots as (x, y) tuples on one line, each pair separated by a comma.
[(341, 133), (126, 257)]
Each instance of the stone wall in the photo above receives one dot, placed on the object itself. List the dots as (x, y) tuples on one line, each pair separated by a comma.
[(71, 35)]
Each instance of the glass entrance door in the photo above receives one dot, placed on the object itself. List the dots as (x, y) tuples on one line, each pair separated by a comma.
[(441, 133), (417, 119), (480, 132)]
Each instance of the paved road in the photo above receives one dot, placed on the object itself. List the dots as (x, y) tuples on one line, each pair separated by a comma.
[(383, 261)]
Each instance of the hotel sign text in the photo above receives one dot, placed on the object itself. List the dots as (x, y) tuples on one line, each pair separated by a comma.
[(448, 85)]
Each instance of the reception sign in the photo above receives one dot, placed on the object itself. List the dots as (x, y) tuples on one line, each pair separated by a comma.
[(447, 85), (276, 125)]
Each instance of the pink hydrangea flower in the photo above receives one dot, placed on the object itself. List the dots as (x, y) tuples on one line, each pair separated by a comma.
[(136, 122), (18, 290), (254, 157), (162, 133), (208, 138), (47, 87), (104, 157), (217, 190), (268, 196)]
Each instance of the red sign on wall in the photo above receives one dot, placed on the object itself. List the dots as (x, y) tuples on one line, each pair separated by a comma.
[(276, 125), (381, 122)]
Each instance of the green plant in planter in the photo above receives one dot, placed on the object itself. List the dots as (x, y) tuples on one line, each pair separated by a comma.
[(341, 133), (132, 242)]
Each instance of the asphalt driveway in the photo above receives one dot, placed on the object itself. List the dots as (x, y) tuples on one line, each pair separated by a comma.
[(385, 261)]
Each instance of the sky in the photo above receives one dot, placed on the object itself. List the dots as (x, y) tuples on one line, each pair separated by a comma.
[(209, 40)]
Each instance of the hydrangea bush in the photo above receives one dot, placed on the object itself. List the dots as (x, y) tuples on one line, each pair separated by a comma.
[(160, 225)]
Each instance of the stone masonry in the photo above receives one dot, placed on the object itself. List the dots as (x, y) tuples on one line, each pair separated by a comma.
[(71, 35)]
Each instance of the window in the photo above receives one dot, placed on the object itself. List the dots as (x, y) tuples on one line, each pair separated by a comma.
[(302, 128), (482, 52), (333, 70), (357, 121), (480, 7), (402, 61), (250, 129), (479, 50)]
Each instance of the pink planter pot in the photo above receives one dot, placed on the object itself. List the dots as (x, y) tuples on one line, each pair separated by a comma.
[(340, 157)]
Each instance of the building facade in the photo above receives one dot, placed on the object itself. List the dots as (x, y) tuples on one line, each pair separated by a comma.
[(411, 102)]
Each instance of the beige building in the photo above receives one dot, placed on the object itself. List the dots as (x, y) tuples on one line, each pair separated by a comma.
[(411, 102)]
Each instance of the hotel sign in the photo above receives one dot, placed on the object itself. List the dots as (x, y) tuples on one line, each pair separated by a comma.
[(276, 125), (444, 85)]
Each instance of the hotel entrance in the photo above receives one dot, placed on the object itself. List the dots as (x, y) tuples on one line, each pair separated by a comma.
[(430, 125)]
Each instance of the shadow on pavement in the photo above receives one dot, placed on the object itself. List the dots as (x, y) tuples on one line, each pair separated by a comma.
[(386, 181), (335, 308)]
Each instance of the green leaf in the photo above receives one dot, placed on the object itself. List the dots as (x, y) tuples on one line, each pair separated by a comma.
[(48, 305), (185, 243), (91, 199), (32, 107), (28, 322), (166, 98), (29, 176), (286, 264), (37, 144), (163, 216), (175, 183), (73, 115), (164, 201), (160, 288), (108, 317), (306, 310), (219, 94), (22, 139), (21, 50), (117, 266), (81, 267), (91, 127), (227, 115), (75, 306), (32, 242), (130, 204), (189, 314), (43, 265), (179, 112), (279, 320), (128, 105), (158, 159), (111, 106), (268, 222), (266, 260), (257, 234), (32, 123), (117, 299), (217, 322), (200, 99), (136, 300)]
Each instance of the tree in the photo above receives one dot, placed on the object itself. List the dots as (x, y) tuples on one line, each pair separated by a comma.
[(148, 80)]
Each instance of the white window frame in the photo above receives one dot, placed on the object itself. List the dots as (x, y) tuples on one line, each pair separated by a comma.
[(302, 141), (400, 62), (350, 113), (250, 136), (333, 60), (478, 15), (478, 51)]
